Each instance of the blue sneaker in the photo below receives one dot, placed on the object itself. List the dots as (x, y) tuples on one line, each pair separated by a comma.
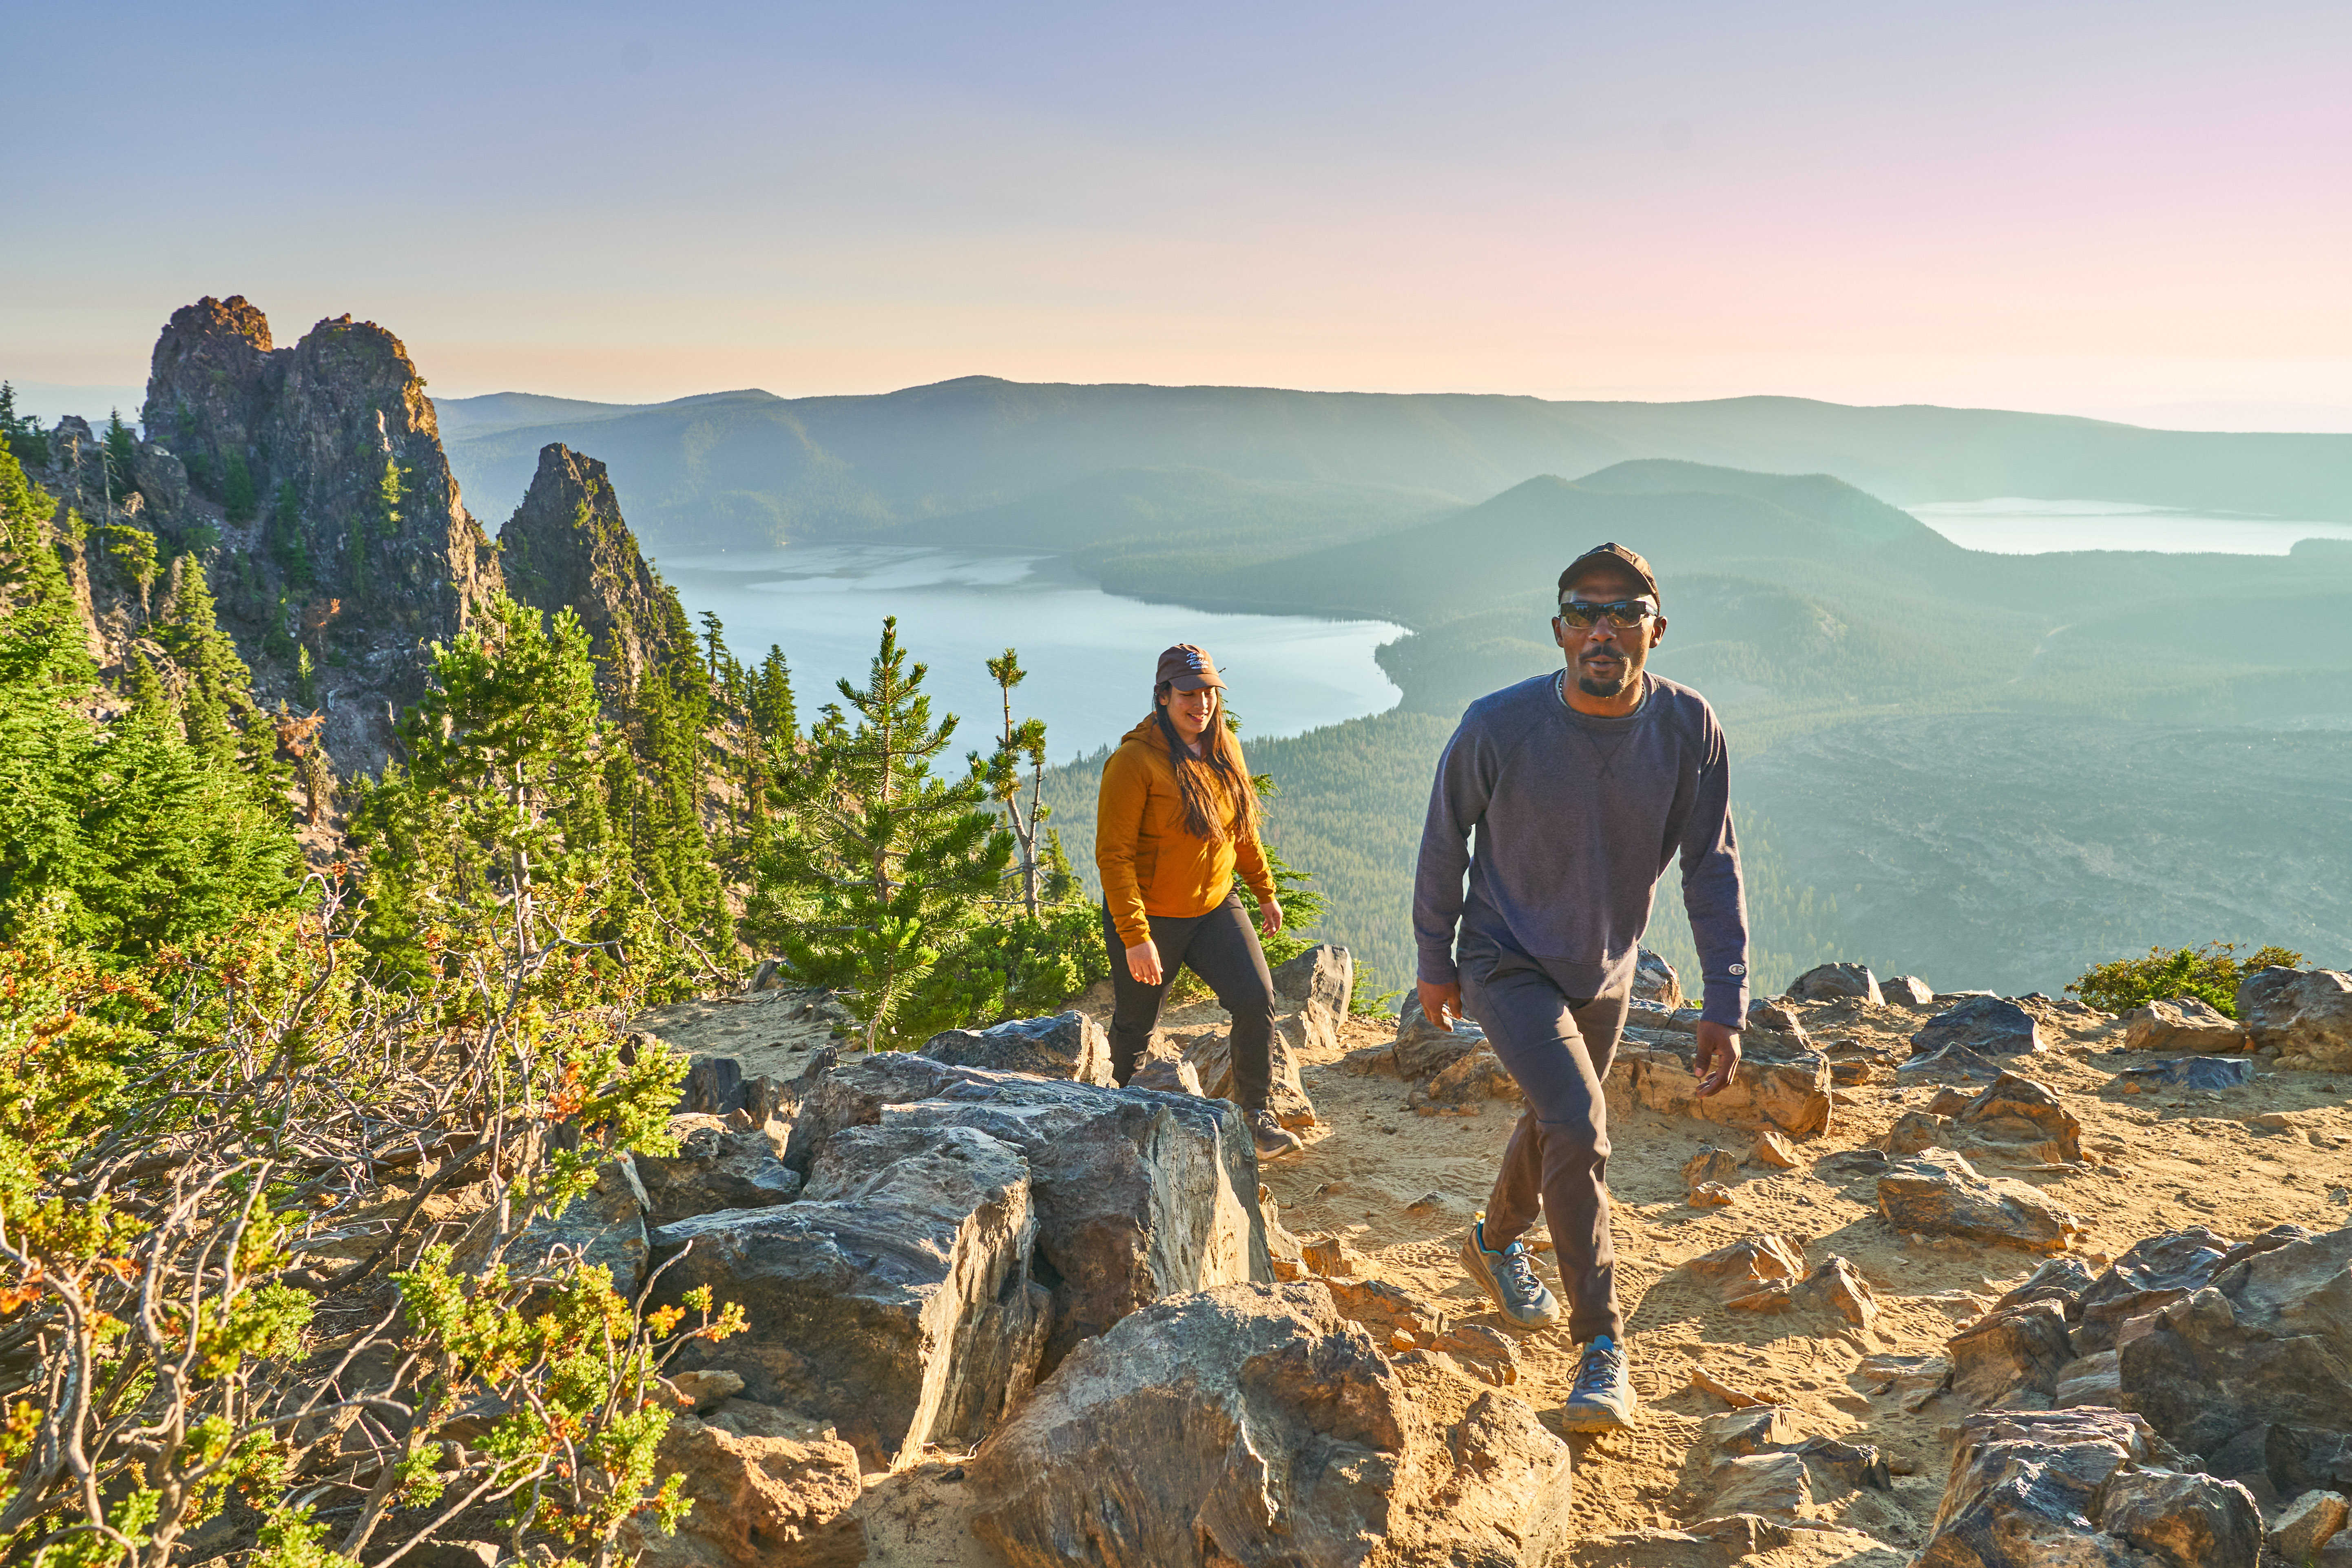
[(1509, 1278), (1602, 1399)]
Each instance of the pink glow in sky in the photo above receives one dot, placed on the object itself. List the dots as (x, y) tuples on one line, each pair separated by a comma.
[(2089, 205)]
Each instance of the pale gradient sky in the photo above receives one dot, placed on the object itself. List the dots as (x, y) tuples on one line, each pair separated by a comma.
[(2097, 206)]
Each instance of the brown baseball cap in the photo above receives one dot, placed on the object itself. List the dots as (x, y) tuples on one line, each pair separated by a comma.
[(1188, 668), (1613, 555)]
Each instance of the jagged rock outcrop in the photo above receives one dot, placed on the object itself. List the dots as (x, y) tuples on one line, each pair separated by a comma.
[(1138, 1196), (2087, 1487), (311, 485), (718, 1165), (1255, 1425), (2304, 1015), (567, 545), (2254, 1369)]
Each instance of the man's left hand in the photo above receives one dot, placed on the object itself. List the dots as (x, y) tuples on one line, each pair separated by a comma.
[(1719, 1058)]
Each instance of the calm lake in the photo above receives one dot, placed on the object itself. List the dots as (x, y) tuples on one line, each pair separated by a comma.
[(1088, 654), (2015, 525)]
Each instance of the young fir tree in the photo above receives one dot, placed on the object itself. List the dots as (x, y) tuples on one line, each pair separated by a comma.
[(502, 791), (770, 739), (878, 868), (117, 457), (656, 785), (1017, 743), (216, 705)]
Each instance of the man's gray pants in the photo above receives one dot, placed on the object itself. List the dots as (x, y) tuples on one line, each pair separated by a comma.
[(1556, 1049)]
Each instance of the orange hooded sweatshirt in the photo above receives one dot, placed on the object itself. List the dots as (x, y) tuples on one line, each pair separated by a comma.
[(1151, 864)]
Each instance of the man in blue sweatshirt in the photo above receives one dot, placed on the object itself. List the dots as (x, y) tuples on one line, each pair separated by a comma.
[(1581, 786)]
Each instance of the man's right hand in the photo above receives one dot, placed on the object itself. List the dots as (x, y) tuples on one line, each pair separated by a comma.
[(1143, 961), (1438, 1001)]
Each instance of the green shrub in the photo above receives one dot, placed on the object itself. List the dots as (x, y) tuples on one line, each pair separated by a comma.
[(2210, 973)]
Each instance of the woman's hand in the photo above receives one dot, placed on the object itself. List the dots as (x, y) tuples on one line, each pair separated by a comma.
[(1269, 917), (1143, 961)]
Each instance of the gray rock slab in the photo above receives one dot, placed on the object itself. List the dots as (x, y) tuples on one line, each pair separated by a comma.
[(1065, 1046), (893, 1300), (1988, 1025)]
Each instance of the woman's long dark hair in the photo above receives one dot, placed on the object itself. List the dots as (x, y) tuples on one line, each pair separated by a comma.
[(1210, 784)]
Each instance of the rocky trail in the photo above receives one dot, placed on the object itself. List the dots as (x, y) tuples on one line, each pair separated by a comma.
[(2090, 1272)]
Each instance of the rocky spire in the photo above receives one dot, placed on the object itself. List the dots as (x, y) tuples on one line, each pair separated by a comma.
[(568, 544), (329, 452)]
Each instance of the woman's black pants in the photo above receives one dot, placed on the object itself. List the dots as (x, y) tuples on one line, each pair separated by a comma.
[(1221, 948)]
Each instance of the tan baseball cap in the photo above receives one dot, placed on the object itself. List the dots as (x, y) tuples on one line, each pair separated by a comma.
[(1612, 554), (1188, 668)]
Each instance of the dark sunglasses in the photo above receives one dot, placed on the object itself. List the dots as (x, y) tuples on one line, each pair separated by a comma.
[(1623, 614)]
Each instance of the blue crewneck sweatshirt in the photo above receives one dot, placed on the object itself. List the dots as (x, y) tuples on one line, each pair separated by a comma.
[(1576, 819)]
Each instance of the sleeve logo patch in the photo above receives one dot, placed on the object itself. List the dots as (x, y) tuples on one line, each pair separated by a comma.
[(1739, 969)]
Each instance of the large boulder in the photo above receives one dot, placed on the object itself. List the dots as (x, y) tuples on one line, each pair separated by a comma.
[(2026, 1115), (1906, 991), (1421, 1049), (1252, 1426), (1832, 982), (2304, 1014), (1068, 1045), (1791, 1096), (2014, 1355), (1325, 973), (2158, 1270), (1937, 1192), (1138, 1194), (1986, 1025), (1655, 981), (893, 1300), (2255, 1371), (1209, 1055), (768, 1487), (717, 1166), (2182, 1024), (2083, 1489)]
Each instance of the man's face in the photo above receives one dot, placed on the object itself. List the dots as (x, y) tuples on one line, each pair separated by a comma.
[(1605, 659)]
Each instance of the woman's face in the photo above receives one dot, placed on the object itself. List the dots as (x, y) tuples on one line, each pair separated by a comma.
[(1190, 712)]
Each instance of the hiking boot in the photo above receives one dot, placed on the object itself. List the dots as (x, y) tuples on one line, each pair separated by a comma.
[(1602, 1399), (1509, 1278), (1275, 1142)]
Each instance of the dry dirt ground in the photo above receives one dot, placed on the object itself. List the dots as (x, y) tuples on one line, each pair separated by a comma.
[(1400, 1189)]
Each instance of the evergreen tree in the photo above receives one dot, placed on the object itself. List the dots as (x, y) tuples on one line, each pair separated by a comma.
[(1017, 743), (20, 433), (123, 839), (878, 868), (237, 496), (216, 705), (117, 457), (501, 791), (286, 541), (656, 786)]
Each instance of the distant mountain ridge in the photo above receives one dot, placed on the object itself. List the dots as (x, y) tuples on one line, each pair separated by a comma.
[(742, 469)]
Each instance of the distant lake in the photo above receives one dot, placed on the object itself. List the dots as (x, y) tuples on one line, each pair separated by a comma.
[(1089, 655), (2015, 525)]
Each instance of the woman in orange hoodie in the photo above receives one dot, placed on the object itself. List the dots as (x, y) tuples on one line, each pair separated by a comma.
[(1176, 818)]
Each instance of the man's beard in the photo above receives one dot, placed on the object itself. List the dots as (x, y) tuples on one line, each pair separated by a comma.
[(1593, 688)]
